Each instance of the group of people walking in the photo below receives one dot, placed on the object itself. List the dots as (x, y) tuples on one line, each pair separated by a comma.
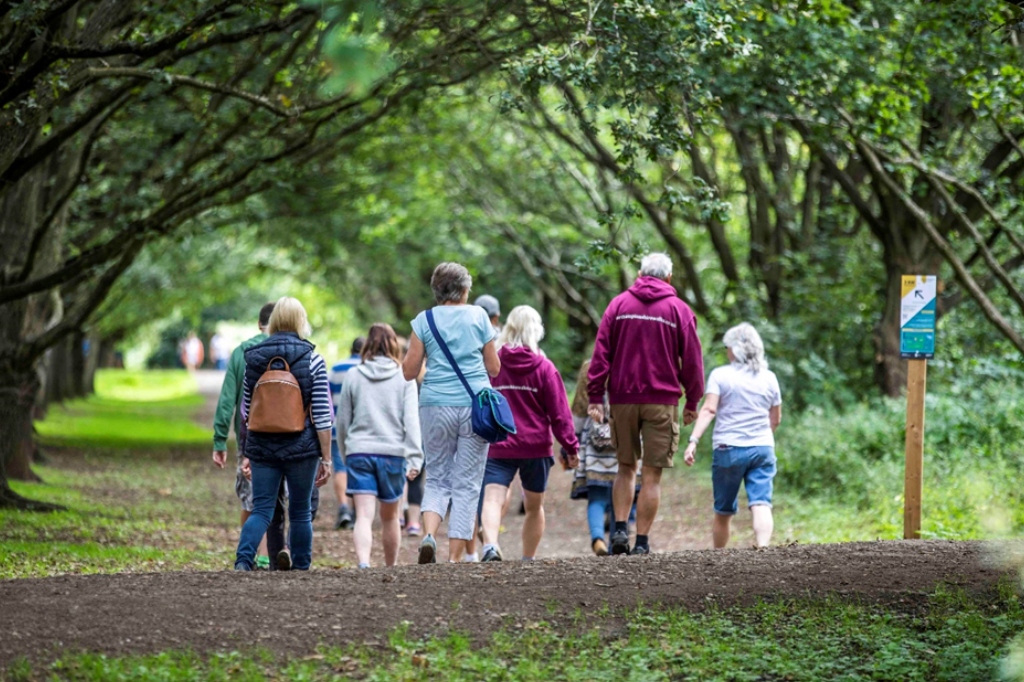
[(404, 417)]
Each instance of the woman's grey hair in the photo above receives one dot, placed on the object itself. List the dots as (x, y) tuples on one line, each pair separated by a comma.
[(746, 345), (450, 283), (523, 329), (656, 265)]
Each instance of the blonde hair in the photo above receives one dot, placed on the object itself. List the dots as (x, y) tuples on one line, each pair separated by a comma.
[(289, 316), (523, 328), (747, 347)]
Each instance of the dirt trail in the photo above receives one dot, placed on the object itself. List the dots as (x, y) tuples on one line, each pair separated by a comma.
[(293, 612)]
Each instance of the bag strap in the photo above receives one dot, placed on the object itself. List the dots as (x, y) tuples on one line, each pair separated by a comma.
[(448, 353), (278, 357)]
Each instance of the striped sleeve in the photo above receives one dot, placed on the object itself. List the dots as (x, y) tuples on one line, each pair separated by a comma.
[(322, 410), (246, 397)]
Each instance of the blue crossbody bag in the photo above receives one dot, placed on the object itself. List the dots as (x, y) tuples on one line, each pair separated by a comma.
[(492, 416)]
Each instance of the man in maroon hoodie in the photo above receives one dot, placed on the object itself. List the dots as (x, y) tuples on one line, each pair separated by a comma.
[(536, 394), (647, 347)]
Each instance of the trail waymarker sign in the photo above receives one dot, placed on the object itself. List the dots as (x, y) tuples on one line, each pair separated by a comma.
[(917, 317), (917, 344)]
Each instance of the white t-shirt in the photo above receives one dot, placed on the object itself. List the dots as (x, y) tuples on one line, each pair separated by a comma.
[(744, 400)]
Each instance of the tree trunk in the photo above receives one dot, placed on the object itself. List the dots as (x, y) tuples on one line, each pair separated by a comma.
[(17, 396), (77, 362)]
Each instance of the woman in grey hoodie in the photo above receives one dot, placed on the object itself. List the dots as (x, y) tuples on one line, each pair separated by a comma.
[(378, 429)]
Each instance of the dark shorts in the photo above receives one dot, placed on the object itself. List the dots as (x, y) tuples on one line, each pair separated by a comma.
[(533, 473), (382, 476)]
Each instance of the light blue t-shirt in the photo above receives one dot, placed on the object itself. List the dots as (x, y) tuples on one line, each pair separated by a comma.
[(466, 329)]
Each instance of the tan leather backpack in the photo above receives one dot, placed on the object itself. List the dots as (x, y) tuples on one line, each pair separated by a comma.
[(276, 405)]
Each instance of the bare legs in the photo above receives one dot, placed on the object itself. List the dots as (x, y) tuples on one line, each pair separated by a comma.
[(362, 534), (533, 525), (496, 503), (764, 524)]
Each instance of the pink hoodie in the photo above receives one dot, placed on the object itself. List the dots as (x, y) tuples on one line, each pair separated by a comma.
[(536, 394), (647, 346)]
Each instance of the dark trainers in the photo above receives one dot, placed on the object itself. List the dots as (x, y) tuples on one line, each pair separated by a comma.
[(641, 550), (428, 551), (620, 542), (284, 560), (491, 554), (345, 519)]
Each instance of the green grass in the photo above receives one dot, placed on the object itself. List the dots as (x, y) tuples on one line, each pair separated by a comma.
[(130, 467), (129, 410), (953, 637)]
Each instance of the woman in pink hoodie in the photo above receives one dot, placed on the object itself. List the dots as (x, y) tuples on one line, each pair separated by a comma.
[(536, 394)]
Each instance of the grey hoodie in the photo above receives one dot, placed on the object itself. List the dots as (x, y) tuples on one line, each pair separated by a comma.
[(378, 413)]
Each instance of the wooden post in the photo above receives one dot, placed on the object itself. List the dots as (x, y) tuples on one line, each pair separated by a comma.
[(917, 375)]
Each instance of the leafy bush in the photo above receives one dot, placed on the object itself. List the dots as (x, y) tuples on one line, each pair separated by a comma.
[(854, 459)]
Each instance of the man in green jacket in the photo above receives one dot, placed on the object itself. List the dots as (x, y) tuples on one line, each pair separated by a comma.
[(228, 413)]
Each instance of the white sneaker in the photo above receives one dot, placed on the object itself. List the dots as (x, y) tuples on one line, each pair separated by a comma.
[(470, 559)]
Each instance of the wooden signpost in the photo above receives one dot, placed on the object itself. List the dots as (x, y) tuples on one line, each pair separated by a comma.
[(917, 345)]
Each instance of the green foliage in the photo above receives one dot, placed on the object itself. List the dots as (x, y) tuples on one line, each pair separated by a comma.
[(955, 638), (850, 463)]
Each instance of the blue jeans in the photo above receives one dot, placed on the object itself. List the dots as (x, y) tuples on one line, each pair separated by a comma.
[(599, 508), (754, 467), (266, 482)]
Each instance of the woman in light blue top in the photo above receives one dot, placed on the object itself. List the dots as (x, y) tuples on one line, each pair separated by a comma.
[(455, 456)]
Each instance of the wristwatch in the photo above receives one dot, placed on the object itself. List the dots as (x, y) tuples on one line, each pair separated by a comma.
[(694, 440)]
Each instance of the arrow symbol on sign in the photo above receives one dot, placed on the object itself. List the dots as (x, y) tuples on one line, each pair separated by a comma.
[(918, 293)]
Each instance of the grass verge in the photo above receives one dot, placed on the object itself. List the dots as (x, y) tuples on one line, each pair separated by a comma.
[(954, 637)]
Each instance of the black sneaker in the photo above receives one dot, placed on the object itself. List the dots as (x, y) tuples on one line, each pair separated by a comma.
[(620, 542), (345, 518), (640, 550), (491, 554), (284, 560), (428, 551)]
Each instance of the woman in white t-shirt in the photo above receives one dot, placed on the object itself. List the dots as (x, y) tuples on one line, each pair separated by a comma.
[(744, 399)]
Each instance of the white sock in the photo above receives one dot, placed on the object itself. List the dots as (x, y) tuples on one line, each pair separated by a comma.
[(471, 558)]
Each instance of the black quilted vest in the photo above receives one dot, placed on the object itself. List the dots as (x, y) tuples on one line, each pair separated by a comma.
[(282, 447)]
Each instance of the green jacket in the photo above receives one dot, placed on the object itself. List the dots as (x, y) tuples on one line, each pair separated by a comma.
[(231, 395)]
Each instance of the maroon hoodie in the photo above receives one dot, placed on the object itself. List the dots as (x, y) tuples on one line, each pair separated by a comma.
[(647, 346), (536, 394)]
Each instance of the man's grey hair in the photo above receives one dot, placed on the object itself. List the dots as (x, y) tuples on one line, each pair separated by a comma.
[(656, 265), (745, 343), (450, 283)]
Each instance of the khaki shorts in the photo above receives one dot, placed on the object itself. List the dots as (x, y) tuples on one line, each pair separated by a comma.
[(657, 425)]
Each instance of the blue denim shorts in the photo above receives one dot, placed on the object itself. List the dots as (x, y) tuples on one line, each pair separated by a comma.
[(337, 461), (754, 467), (382, 476), (533, 473)]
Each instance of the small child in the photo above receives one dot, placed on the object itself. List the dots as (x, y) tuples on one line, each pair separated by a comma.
[(597, 468)]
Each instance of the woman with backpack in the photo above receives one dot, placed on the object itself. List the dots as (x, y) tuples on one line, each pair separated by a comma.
[(378, 427), (286, 402), (536, 394), (455, 455), (745, 402)]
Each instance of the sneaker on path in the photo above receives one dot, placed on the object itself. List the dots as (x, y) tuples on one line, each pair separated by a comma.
[(284, 560), (263, 563), (413, 531), (641, 550), (491, 553), (600, 547), (345, 518), (428, 551), (620, 542)]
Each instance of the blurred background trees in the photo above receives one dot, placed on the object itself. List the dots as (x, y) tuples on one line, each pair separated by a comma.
[(165, 167)]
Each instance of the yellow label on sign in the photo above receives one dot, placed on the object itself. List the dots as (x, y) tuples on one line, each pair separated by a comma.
[(910, 283)]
